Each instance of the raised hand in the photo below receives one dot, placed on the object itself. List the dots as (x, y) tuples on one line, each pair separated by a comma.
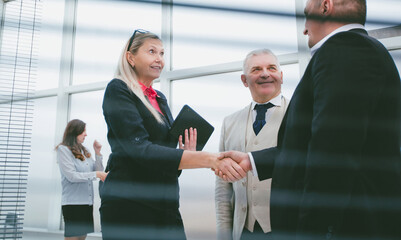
[(190, 139), (97, 147), (242, 159)]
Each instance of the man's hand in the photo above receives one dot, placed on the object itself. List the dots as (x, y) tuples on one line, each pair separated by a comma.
[(228, 159), (231, 170)]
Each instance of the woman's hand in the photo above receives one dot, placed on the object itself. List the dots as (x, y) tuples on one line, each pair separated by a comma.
[(229, 170), (97, 147), (190, 140), (101, 175)]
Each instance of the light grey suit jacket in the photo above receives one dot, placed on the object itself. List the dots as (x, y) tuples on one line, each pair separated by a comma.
[(231, 198)]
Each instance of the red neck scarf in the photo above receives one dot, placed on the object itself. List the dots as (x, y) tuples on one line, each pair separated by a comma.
[(151, 94)]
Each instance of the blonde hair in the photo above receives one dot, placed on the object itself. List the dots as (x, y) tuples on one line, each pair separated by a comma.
[(126, 73)]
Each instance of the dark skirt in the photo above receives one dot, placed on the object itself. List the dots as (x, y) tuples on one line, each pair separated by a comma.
[(128, 220), (78, 220)]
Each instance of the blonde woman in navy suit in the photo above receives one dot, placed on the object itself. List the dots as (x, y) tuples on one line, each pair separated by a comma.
[(140, 196)]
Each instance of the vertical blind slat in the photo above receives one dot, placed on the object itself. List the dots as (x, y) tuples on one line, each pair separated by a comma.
[(18, 67)]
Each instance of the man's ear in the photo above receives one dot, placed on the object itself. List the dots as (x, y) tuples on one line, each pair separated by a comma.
[(130, 58), (281, 77), (243, 79), (326, 8)]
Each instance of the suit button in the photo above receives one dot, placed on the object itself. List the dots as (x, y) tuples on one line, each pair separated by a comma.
[(254, 203), (330, 229), (137, 139), (254, 188), (328, 236), (244, 209)]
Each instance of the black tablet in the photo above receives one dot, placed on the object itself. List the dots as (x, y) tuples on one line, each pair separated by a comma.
[(188, 118)]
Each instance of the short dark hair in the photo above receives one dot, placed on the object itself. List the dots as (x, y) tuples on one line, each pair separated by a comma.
[(351, 11), (347, 11)]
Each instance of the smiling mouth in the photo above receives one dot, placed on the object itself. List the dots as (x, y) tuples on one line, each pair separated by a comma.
[(260, 83), (156, 67)]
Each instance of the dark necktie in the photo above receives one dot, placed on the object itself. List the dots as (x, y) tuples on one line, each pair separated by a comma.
[(260, 120)]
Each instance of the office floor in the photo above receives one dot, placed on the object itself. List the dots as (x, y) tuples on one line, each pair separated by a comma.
[(41, 235), (37, 234)]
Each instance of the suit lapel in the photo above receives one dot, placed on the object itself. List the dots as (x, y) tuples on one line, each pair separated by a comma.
[(167, 117), (242, 124)]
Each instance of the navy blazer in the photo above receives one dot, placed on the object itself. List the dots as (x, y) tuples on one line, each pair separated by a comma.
[(143, 165), (336, 169)]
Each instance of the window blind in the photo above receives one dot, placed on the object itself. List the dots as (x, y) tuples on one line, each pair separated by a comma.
[(20, 22)]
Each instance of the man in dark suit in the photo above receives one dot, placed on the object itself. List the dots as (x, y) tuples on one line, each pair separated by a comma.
[(336, 169)]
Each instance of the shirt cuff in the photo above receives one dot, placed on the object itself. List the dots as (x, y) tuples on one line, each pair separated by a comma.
[(93, 178), (254, 171)]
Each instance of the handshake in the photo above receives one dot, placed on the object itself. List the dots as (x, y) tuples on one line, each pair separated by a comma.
[(232, 165)]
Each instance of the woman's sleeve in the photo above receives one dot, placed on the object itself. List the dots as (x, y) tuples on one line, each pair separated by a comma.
[(98, 166), (67, 168)]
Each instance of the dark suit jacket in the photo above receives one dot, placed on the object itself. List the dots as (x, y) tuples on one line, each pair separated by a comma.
[(143, 165), (336, 169)]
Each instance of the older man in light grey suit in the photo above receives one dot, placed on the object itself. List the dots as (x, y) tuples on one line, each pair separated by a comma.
[(242, 207)]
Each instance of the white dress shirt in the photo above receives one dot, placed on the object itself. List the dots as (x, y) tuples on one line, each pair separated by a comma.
[(276, 101)]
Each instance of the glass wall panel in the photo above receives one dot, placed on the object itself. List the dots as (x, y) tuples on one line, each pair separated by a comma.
[(88, 108), (41, 176), (228, 35), (103, 29), (51, 33), (213, 97), (291, 78), (383, 13), (156, 86)]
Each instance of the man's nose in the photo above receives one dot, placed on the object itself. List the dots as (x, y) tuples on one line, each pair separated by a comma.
[(265, 73), (305, 31)]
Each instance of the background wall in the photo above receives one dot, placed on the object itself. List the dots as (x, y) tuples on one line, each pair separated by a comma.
[(205, 44)]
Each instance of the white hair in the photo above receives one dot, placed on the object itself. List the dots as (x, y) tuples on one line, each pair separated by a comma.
[(256, 53)]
